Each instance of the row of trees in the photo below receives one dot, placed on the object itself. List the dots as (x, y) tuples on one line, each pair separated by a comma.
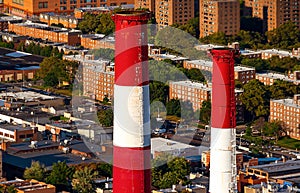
[(79, 178), (283, 65), (256, 96), (37, 49), (286, 36)]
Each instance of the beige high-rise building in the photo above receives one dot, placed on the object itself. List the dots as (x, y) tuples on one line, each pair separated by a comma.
[(219, 16), (169, 12), (275, 12)]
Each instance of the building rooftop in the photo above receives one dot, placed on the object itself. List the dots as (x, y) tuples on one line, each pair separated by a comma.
[(168, 56), (12, 127), (243, 68), (28, 96), (277, 52), (28, 185), (286, 102), (280, 168), (31, 24), (207, 63), (10, 59), (20, 156), (192, 84), (10, 18)]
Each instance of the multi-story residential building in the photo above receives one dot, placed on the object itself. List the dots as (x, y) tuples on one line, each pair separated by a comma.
[(66, 21), (199, 64), (219, 16), (96, 41), (146, 4), (275, 12), (241, 73), (35, 7), (244, 74), (4, 21), (169, 12), (196, 93), (269, 53), (97, 76), (288, 112), (268, 78), (45, 32)]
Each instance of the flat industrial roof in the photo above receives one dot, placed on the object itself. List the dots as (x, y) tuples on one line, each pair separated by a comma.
[(11, 59), (279, 167)]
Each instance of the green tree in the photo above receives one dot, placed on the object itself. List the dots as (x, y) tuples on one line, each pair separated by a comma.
[(106, 25), (108, 54), (282, 89), (282, 64), (89, 23), (83, 180), (256, 98), (36, 171), (195, 74), (158, 91), (215, 38), (168, 170), (205, 112), (259, 64), (173, 107), (105, 170), (51, 80), (60, 175), (285, 36), (106, 117)]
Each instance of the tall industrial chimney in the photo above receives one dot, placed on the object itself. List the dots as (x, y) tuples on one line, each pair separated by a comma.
[(131, 138), (222, 160)]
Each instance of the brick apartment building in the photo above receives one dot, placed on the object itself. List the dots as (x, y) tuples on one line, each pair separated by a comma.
[(287, 111), (268, 78), (242, 73), (4, 21), (26, 8), (274, 12), (97, 75), (196, 93), (67, 21), (45, 32), (169, 12), (146, 4), (18, 133), (96, 41), (219, 16)]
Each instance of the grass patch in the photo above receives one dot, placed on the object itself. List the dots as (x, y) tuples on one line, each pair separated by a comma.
[(289, 143), (63, 92)]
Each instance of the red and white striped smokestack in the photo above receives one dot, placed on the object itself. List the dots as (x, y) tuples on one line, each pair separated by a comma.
[(222, 121), (131, 138)]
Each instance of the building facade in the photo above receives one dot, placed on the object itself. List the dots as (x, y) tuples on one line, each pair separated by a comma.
[(169, 12), (67, 21), (288, 112), (196, 93), (97, 41), (28, 8), (45, 32), (274, 12), (219, 16)]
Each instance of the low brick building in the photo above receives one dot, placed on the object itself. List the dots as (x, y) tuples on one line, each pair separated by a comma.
[(45, 32)]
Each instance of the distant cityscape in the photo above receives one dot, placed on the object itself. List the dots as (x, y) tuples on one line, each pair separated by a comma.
[(58, 85)]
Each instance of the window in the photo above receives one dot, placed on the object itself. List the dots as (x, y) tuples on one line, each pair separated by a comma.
[(43, 5)]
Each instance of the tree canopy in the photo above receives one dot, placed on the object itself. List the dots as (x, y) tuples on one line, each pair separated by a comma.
[(168, 170), (101, 23), (83, 180), (256, 98), (36, 171), (106, 117)]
